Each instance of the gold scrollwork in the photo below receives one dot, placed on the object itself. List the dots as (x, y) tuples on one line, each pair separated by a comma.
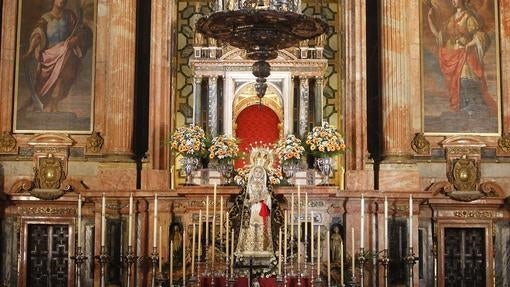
[(7, 142), (420, 144), (94, 142), (46, 211), (463, 150), (504, 142), (473, 213)]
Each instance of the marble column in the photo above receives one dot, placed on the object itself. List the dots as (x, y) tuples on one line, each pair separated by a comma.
[(212, 121), (197, 86), (319, 86), (304, 98), (120, 77), (395, 80)]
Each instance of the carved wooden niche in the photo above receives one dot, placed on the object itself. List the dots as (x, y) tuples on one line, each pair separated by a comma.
[(463, 156)]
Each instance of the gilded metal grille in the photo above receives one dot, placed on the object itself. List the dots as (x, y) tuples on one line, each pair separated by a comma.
[(464, 254), (48, 253)]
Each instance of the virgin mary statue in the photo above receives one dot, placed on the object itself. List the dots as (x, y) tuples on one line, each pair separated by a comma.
[(255, 240)]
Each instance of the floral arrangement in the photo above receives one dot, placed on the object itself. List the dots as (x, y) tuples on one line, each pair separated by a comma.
[(324, 141), (274, 175), (223, 148), (289, 148), (189, 141)]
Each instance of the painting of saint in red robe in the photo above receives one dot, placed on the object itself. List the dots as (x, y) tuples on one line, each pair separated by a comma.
[(460, 75), (54, 77)]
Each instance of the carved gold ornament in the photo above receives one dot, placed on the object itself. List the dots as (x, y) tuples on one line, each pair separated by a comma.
[(420, 144), (7, 142), (504, 142), (50, 173), (465, 174), (94, 142)]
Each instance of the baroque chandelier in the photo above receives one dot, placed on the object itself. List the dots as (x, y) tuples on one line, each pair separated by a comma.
[(261, 27)]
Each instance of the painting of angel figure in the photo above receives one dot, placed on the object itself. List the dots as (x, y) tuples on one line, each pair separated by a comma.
[(460, 72), (55, 66)]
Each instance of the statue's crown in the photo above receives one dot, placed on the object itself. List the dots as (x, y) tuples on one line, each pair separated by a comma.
[(261, 156)]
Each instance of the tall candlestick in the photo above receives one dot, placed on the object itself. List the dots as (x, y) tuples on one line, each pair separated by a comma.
[(183, 257), (306, 215), (410, 221), (171, 262), (386, 223), (232, 252), (193, 251), (221, 219), (200, 234), (78, 223), (311, 236), (362, 215), (280, 251), (155, 223), (353, 255), (299, 239), (206, 222), (319, 251), (103, 220), (160, 251), (226, 235), (328, 250), (341, 263), (213, 235), (130, 221), (286, 215), (291, 221)]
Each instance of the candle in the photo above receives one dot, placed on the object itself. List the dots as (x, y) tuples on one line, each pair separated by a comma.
[(103, 220), (183, 258), (311, 236), (221, 218), (78, 228), (352, 251), (232, 252), (172, 179), (292, 216), (130, 220), (341, 263), (299, 223), (280, 252), (213, 239), (193, 251), (319, 251), (299, 202), (200, 234), (386, 223), (155, 224), (226, 237), (160, 251), (410, 221), (328, 249), (171, 262), (306, 215), (362, 215), (286, 215), (206, 222)]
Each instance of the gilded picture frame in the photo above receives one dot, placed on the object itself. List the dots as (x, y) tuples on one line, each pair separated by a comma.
[(460, 74), (55, 63)]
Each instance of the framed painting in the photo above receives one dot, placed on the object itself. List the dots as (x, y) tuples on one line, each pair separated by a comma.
[(460, 67), (54, 87)]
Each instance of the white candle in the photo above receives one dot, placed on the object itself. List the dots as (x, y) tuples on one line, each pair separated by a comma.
[(207, 222), (172, 178), (103, 220), (410, 221), (280, 251), (155, 223), (386, 223), (226, 236), (171, 262), (200, 234), (183, 257), (286, 215), (328, 249), (78, 228), (213, 239), (160, 250), (130, 221), (306, 215), (319, 251), (311, 236), (341, 263), (193, 250), (221, 219), (362, 215), (299, 223), (292, 216), (352, 251), (232, 252)]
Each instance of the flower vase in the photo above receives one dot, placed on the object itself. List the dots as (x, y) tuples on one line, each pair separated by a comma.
[(325, 166), (189, 164), (226, 169), (289, 168)]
